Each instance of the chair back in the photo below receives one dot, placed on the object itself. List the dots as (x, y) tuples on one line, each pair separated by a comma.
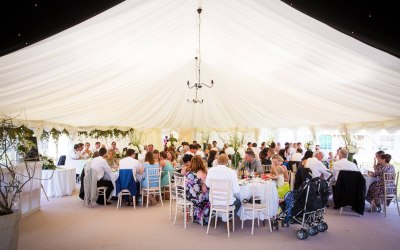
[(153, 177), (220, 191), (180, 188), (259, 194), (126, 180), (266, 168), (61, 160), (293, 166), (90, 186), (171, 185), (390, 182)]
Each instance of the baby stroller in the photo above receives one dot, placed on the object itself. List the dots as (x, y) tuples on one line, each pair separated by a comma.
[(305, 206)]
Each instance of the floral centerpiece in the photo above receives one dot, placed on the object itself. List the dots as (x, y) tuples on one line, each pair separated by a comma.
[(170, 141), (48, 163), (205, 138), (235, 150), (350, 146), (135, 138), (309, 145)]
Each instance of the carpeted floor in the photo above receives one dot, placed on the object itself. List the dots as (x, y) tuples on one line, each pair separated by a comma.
[(63, 223)]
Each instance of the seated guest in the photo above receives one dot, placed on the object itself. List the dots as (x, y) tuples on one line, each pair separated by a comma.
[(211, 157), (130, 162), (192, 149), (114, 147), (277, 174), (277, 161), (172, 158), (103, 171), (149, 163), (376, 190), (112, 160), (87, 153), (317, 168), (197, 190), (342, 164), (187, 158), (222, 172), (377, 156), (76, 153), (250, 163), (302, 173), (282, 153), (298, 156), (199, 151), (97, 146), (156, 155), (263, 157), (166, 167)]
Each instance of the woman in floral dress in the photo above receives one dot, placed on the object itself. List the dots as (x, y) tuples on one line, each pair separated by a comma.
[(196, 190), (376, 190)]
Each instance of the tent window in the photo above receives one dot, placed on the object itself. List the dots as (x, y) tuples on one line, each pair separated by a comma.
[(325, 142)]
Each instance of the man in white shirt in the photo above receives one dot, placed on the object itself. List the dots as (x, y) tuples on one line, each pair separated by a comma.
[(103, 171), (316, 166), (74, 154), (222, 172), (129, 162), (97, 146), (192, 149), (298, 155), (342, 164)]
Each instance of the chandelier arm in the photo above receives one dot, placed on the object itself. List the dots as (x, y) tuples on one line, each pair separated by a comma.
[(198, 85)]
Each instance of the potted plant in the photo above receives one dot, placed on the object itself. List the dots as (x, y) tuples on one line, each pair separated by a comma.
[(14, 175)]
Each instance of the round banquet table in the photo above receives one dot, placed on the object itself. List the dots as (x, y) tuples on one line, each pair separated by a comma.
[(114, 177), (59, 182), (246, 192), (368, 181)]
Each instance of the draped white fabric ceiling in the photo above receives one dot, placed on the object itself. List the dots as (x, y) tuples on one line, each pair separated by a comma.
[(272, 66)]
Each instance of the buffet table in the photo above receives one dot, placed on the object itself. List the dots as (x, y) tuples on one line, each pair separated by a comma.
[(59, 182)]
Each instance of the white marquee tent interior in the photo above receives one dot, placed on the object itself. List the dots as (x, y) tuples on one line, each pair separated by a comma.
[(273, 67)]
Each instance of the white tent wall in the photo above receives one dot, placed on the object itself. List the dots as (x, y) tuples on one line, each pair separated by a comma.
[(273, 67)]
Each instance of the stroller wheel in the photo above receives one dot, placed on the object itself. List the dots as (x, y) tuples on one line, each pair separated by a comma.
[(322, 227), (325, 226), (315, 228), (312, 231), (302, 234)]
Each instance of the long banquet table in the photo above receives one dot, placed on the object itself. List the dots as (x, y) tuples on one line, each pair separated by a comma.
[(77, 164), (59, 182)]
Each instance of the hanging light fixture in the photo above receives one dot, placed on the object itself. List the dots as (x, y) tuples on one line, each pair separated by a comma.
[(198, 84)]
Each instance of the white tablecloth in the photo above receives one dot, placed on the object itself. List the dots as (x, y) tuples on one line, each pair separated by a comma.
[(114, 177), (61, 184), (260, 186), (368, 181), (77, 164)]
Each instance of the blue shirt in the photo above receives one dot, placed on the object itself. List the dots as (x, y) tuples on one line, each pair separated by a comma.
[(145, 182)]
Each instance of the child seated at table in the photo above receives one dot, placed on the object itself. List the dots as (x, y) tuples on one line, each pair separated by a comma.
[(282, 186)]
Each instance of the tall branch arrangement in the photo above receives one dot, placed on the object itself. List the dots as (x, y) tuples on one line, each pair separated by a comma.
[(13, 176)]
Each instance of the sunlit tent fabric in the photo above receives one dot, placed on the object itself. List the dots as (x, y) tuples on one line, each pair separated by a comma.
[(272, 67)]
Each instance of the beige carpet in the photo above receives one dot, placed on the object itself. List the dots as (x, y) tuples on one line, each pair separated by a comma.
[(63, 223)]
